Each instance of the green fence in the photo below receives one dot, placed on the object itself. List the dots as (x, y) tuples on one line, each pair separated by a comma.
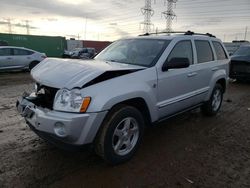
[(52, 46)]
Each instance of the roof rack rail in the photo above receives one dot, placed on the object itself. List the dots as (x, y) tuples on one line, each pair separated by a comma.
[(177, 32), (162, 32), (193, 33)]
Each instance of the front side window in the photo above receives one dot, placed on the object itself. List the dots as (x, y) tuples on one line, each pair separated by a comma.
[(220, 52), (204, 51), (5, 52), (142, 52), (182, 49), (22, 52)]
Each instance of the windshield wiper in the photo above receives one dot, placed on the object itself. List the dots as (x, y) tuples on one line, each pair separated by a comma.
[(117, 61)]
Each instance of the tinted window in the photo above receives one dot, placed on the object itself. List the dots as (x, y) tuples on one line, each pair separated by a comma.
[(220, 52), (182, 49), (5, 52), (204, 51), (243, 50), (22, 52)]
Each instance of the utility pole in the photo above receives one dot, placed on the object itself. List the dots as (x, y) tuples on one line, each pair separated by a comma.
[(245, 33), (148, 12), (85, 28), (27, 26), (169, 14), (9, 25)]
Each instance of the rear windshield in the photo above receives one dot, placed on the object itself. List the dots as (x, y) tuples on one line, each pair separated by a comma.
[(142, 52), (244, 51)]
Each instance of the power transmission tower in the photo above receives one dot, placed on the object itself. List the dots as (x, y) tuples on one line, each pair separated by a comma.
[(169, 14), (148, 12)]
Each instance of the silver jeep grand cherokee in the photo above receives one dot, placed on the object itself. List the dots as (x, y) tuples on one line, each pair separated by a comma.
[(132, 83)]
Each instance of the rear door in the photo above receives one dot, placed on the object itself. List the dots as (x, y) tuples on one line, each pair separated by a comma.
[(6, 58), (205, 66), (222, 56)]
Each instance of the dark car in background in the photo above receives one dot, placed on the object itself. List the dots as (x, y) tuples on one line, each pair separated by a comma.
[(240, 64), (80, 53), (3, 43)]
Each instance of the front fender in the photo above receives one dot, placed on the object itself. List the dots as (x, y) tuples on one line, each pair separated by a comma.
[(140, 84), (149, 100)]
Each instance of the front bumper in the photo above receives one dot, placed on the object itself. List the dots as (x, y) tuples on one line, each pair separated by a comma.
[(66, 128)]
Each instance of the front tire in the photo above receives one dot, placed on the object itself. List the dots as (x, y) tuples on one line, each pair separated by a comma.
[(120, 135), (211, 107)]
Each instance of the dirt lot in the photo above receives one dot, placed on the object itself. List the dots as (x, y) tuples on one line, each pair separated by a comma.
[(187, 151)]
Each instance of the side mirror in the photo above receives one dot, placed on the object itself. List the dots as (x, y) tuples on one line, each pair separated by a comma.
[(176, 63)]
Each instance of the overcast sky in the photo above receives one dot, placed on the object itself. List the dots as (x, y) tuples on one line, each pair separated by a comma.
[(113, 19)]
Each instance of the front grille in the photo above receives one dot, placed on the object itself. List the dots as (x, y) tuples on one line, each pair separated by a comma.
[(44, 96), (49, 96)]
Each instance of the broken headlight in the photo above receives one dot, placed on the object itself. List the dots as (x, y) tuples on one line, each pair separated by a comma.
[(71, 101)]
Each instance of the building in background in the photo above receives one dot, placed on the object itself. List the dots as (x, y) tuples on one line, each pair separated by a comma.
[(98, 45), (73, 44)]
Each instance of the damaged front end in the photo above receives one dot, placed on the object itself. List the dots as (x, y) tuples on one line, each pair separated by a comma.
[(43, 97), (63, 129)]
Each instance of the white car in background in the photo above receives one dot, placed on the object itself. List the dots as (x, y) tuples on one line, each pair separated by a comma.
[(19, 58)]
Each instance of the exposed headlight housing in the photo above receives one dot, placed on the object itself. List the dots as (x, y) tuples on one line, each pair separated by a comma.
[(71, 101)]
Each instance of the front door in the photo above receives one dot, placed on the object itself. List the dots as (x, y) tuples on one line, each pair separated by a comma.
[(176, 87)]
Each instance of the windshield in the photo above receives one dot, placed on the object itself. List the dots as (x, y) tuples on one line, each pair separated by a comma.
[(142, 52), (244, 51)]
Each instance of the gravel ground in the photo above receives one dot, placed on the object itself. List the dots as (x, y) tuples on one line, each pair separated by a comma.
[(186, 151)]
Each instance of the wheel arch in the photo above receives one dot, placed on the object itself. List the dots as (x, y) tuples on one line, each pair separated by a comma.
[(222, 82), (218, 77), (140, 104), (33, 62)]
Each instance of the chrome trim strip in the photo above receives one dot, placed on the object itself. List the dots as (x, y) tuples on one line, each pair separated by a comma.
[(182, 97)]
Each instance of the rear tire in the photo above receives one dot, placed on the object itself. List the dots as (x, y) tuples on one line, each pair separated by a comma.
[(33, 64), (120, 135), (211, 107)]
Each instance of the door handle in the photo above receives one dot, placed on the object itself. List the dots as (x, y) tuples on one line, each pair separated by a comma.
[(9, 58), (215, 69), (192, 74)]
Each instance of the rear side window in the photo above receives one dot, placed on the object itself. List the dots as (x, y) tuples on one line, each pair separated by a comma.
[(204, 51), (5, 52), (220, 52), (22, 52), (182, 49)]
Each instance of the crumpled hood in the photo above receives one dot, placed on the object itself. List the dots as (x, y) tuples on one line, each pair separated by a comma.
[(71, 73)]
